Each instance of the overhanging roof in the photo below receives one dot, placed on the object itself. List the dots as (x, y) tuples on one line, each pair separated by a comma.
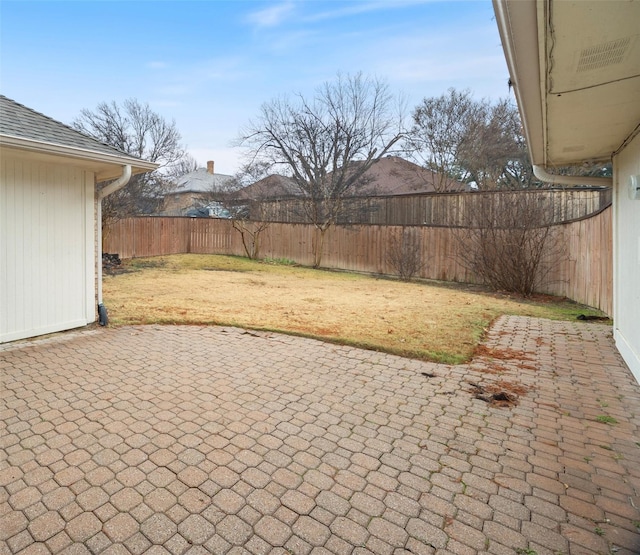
[(25, 130), (575, 68)]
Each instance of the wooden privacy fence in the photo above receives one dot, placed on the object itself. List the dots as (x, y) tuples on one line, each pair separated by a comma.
[(584, 274), (441, 209)]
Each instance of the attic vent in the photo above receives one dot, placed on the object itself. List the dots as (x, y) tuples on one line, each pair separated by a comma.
[(603, 55)]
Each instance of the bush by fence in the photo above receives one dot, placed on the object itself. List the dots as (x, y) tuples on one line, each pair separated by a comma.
[(584, 274)]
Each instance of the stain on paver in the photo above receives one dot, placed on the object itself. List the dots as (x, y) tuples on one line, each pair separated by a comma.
[(213, 440)]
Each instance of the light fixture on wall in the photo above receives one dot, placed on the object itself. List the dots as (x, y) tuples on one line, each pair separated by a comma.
[(634, 187)]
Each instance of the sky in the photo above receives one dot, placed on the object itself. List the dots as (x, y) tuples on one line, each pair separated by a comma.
[(210, 65)]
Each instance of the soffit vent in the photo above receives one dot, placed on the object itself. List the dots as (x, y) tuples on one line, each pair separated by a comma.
[(603, 55)]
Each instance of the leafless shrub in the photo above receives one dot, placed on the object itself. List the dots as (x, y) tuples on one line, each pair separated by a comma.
[(250, 230), (404, 253), (247, 215), (510, 245)]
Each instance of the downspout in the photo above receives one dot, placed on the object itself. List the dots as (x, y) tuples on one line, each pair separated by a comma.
[(102, 193), (547, 177)]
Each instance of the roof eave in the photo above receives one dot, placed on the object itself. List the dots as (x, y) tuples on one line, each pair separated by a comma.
[(112, 160)]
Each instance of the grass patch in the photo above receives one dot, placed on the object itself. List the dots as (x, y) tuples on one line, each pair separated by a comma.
[(606, 419), (425, 320)]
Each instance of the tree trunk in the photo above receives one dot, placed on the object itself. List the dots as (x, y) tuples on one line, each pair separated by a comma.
[(318, 245)]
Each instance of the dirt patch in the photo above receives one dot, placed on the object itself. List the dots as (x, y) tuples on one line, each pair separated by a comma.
[(592, 318), (511, 387), (490, 367), (482, 351), (489, 357), (502, 394)]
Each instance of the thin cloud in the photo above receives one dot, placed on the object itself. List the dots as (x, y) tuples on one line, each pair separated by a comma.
[(365, 7), (271, 17)]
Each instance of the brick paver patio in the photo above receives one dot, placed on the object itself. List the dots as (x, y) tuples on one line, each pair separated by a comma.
[(217, 440)]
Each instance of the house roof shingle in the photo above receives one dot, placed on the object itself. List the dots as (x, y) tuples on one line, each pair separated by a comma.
[(393, 175), (16, 120)]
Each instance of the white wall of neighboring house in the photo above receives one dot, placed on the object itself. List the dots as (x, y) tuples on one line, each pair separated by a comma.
[(626, 261), (47, 247)]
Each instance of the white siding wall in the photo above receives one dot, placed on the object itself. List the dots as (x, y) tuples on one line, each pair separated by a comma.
[(626, 268), (47, 261)]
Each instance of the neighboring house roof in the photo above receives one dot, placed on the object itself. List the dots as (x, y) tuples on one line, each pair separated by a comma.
[(391, 175), (575, 69), (271, 187), (25, 129), (201, 181)]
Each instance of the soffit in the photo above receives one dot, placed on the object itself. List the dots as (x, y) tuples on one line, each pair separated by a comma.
[(575, 67), (592, 84)]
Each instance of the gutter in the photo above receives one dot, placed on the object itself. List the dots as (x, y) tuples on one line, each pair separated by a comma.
[(519, 19), (102, 193), (542, 174)]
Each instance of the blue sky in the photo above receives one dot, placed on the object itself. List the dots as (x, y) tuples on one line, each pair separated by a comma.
[(209, 65)]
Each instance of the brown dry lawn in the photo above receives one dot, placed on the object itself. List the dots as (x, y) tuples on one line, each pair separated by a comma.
[(430, 321)]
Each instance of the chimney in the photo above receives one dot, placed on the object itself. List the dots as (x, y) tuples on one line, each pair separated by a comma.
[(210, 166)]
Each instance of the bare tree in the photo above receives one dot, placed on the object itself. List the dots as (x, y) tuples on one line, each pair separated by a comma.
[(494, 153), (465, 140), (437, 137), (326, 143), (185, 165), (135, 129), (477, 142)]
